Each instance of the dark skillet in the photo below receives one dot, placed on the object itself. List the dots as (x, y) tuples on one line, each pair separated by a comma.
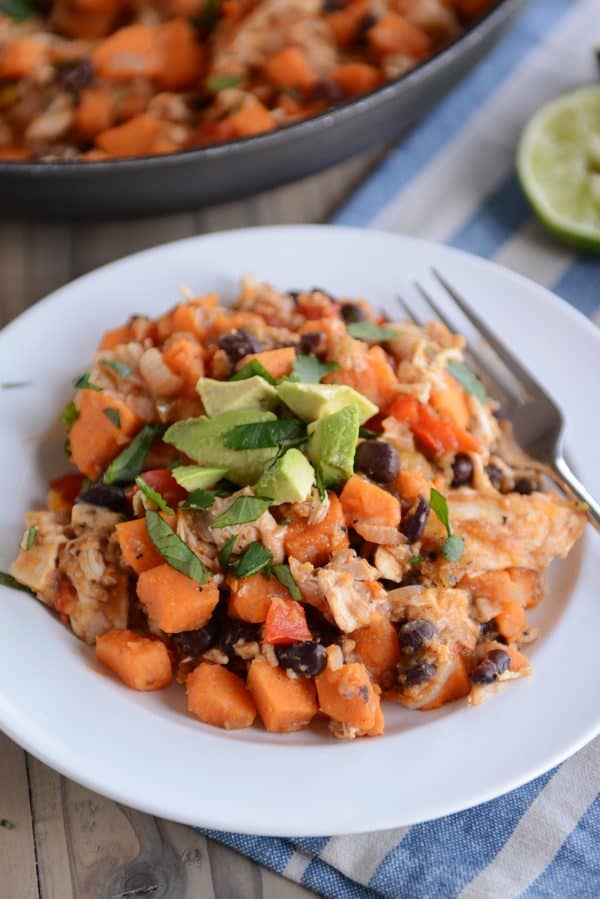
[(194, 178)]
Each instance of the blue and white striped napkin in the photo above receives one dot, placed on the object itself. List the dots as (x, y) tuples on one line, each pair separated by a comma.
[(453, 180)]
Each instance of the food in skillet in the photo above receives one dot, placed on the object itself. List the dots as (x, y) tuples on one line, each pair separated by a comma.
[(294, 508), (99, 79)]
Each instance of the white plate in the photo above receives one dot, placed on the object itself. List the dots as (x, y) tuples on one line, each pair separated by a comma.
[(143, 749)]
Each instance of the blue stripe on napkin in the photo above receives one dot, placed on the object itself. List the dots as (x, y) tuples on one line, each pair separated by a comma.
[(542, 840)]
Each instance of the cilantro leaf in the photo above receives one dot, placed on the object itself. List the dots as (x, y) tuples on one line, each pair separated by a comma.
[(320, 484), (255, 558), (226, 551), (370, 331), (8, 825), (174, 551), (7, 580), (128, 464), (113, 416), (69, 415), (469, 381), (242, 510), (199, 499), (17, 10), (208, 17), (453, 547), (119, 367), (285, 577), (153, 495), (415, 561), (368, 434), (224, 81), (261, 434), (83, 382), (310, 370), (30, 536), (252, 368)]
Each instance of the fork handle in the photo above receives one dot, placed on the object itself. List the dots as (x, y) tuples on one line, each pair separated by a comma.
[(593, 507)]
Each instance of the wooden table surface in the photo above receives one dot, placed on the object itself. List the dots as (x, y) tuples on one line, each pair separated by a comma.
[(70, 843)]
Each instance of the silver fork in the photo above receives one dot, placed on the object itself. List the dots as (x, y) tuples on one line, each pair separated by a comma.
[(538, 423)]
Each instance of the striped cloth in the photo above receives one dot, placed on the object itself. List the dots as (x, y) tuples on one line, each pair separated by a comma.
[(453, 180)]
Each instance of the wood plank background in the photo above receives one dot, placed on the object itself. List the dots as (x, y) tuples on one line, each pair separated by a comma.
[(70, 843)]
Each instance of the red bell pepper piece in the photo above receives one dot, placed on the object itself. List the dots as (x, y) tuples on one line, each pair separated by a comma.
[(68, 487), (435, 433), (286, 622), (161, 480)]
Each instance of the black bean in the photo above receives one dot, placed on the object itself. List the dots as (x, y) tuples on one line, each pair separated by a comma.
[(234, 631), (368, 20), (239, 343), (462, 469), (306, 659), (43, 7), (412, 635), (411, 578), (75, 76), (333, 5), (327, 90), (351, 313), (419, 674), (324, 292), (525, 486), (322, 630), (495, 475), (108, 497), (485, 673), (295, 295), (194, 643), (413, 526), (378, 460), (500, 659), (309, 343)]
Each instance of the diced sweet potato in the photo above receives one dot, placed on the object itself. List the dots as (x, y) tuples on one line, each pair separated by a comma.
[(140, 136), (139, 552), (378, 647), (356, 78), (316, 543), (455, 687), (394, 34), (140, 662), (131, 52), (251, 597), (21, 57), (411, 484), (94, 114), (185, 357), (451, 402), (277, 362), (520, 585), (348, 696), (115, 337), (252, 118), (284, 705), (290, 69), (345, 22), (182, 57), (511, 621), (377, 382), (174, 601), (365, 502), (218, 697), (95, 436)]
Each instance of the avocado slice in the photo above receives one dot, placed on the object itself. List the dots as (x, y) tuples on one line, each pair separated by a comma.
[(289, 480), (194, 477), (313, 401), (225, 396), (332, 444), (202, 440)]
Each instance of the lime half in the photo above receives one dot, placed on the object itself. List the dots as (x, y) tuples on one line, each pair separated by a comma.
[(558, 162)]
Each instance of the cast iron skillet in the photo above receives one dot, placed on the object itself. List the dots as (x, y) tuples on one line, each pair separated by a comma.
[(195, 178)]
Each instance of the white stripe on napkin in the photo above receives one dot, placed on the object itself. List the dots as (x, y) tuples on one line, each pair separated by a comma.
[(451, 187), (530, 253), (296, 866), (359, 856), (542, 830)]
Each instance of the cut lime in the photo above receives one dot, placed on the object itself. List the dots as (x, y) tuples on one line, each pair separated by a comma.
[(558, 162)]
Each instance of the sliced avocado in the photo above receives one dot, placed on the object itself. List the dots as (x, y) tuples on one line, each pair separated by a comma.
[(225, 396), (194, 477), (289, 480), (332, 444), (312, 401), (202, 440)]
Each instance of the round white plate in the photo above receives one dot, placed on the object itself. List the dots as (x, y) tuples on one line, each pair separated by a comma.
[(143, 749)]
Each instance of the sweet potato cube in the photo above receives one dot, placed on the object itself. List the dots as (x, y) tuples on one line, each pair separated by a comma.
[(138, 550), (284, 705), (140, 662), (218, 697), (277, 362), (105, 425), (316, 543), (174, 601), (348, 696), (251, 597), (362, 500), (378, 647)]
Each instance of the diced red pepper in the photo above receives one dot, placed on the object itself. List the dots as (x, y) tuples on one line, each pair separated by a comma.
[(161, 480), (66, 597), (286, 622), (405, 408), (67, 488), (435, 433)]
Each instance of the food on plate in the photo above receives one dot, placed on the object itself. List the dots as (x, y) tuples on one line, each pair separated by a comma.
[(296, 509), (96, 81)]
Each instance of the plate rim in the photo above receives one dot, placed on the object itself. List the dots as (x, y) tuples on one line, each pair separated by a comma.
[(9, 722)]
